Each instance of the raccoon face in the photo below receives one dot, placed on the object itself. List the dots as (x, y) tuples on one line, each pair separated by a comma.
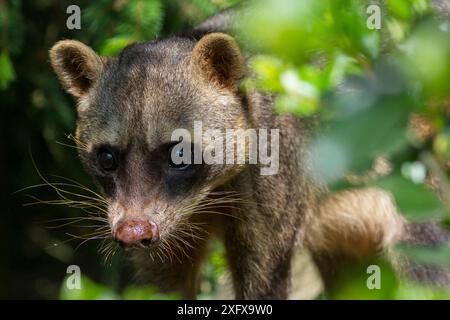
[(128, 109)]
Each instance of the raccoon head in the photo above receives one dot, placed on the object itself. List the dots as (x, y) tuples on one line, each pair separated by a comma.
[(128, 106)]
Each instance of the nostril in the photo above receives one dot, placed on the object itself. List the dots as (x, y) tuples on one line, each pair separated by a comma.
[(146, 242), (136, 232)]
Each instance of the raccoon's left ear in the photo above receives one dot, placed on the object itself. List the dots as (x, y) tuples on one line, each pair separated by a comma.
[(77, 66), (218, 58)]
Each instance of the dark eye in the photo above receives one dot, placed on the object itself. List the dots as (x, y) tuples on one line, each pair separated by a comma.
[(178, 153), (107, 160)]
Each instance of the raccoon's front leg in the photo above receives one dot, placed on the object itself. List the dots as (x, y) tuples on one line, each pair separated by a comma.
[(260, 268), (259, 258)]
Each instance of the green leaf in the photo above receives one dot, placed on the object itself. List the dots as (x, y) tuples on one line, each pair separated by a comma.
[(7, 74), (141, 18), (355, 138), (414, 200), (341, 65), (414, 291), (268, 70), (147, 293), (352, 282), (425, 56), (89, 290), (400, 8), (114, 45), (301, 106)]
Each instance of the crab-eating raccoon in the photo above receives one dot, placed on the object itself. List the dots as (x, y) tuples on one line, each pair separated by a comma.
[(166, 213)]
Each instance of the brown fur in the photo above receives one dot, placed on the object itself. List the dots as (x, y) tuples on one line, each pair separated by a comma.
[(357, 226), (77, 65), (131, 103), (218, 58), (360, 223), (353, 226), (148, 91)]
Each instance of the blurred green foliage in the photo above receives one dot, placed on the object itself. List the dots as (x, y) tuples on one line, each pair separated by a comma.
[(89, 290), (381, 93)]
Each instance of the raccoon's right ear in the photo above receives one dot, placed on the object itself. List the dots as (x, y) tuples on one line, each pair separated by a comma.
[(77, 66)]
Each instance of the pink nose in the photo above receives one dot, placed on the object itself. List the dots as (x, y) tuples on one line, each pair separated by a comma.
[(136, 233)]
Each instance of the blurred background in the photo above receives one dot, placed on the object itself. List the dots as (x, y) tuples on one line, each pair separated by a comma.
[(376, 72)]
